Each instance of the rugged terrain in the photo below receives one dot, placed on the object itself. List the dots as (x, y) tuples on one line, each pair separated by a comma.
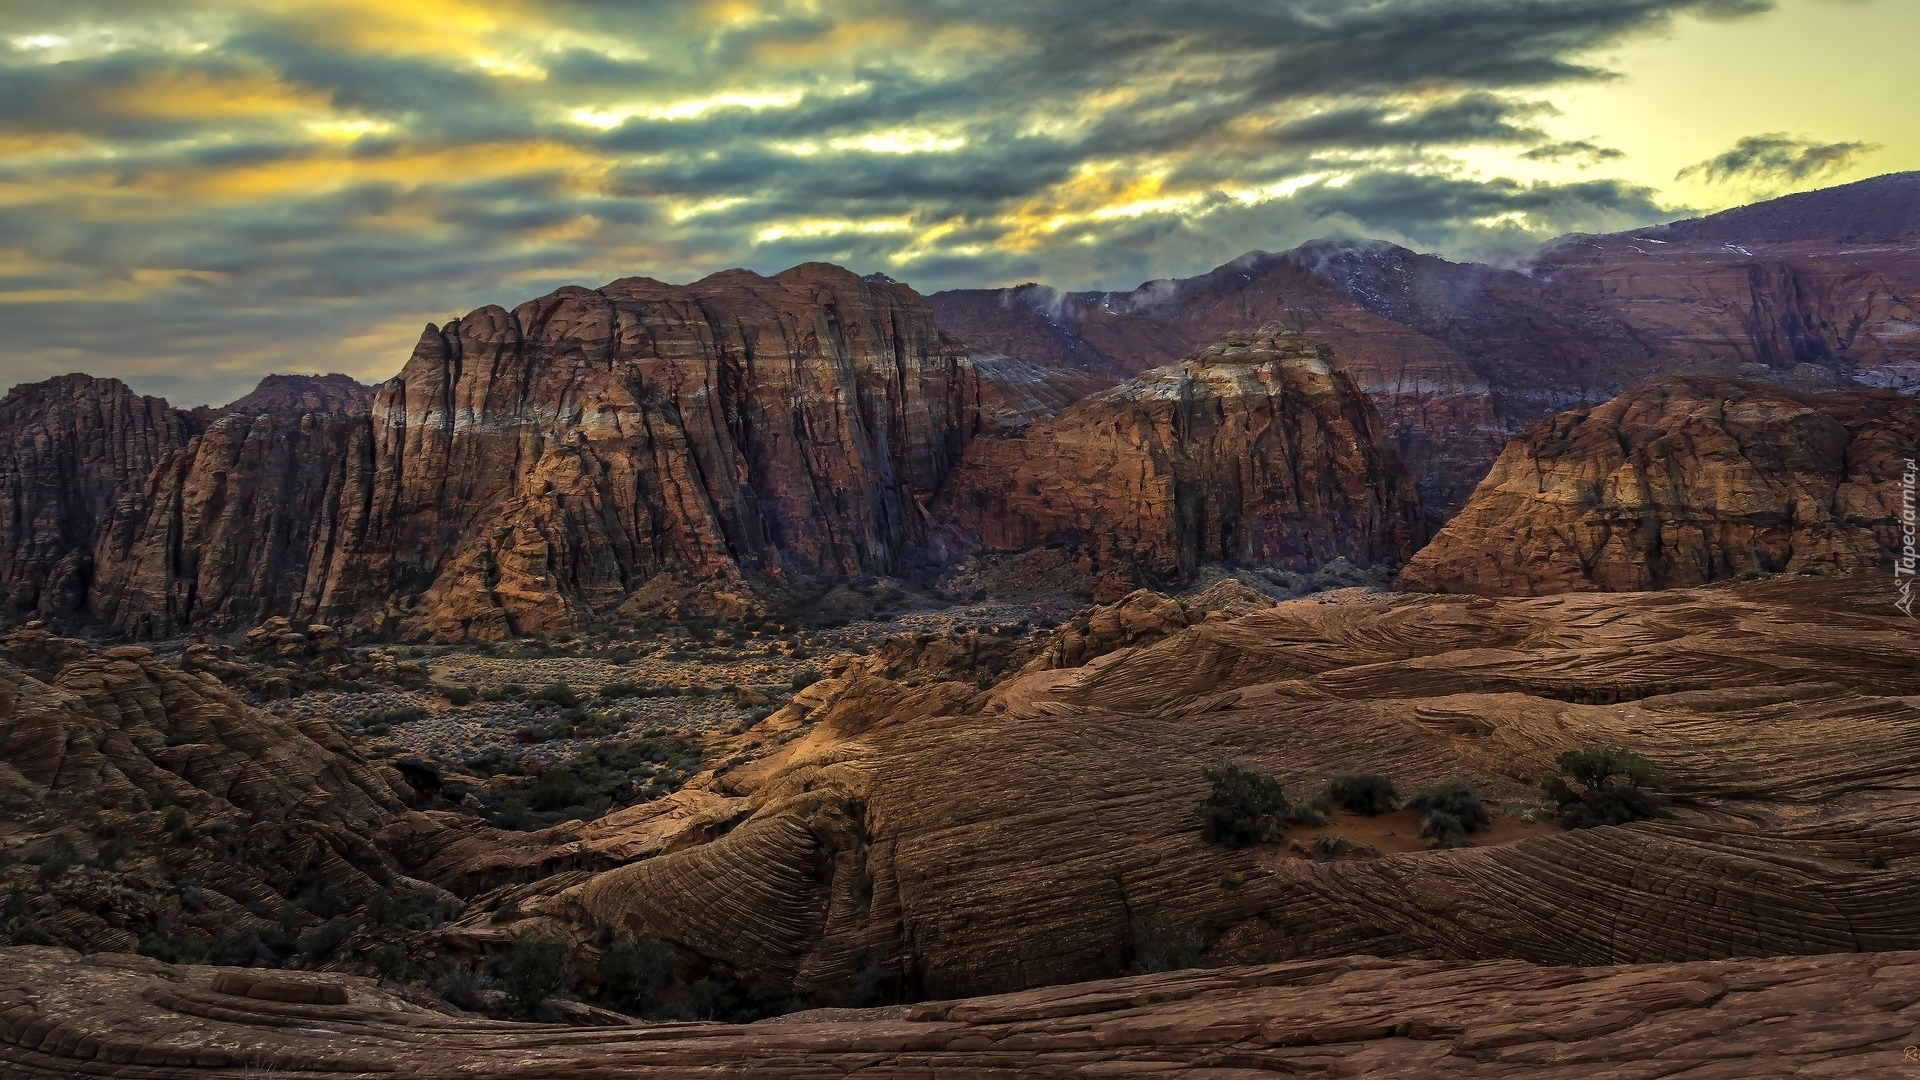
[(1815, 290), (1258, 451), (1825, 1016), (651, 450), (1681, 482)]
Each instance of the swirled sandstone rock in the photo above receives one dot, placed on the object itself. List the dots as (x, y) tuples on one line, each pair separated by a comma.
[(944, 840), (114, 1015), (1682, 482), (1259, 449)]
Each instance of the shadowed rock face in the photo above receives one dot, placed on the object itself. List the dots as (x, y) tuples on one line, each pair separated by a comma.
[(1682, 482), (297, 394), (1259, 449), (127, 1016), (70, 449), (1821, 289)]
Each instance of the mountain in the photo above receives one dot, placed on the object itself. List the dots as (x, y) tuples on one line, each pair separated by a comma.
[(595, 451), (1259, 450), (1819, 290), (334, 393), (1680, 482)]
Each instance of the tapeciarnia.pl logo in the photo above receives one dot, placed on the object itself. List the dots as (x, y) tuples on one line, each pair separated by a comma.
[(1904, 566)]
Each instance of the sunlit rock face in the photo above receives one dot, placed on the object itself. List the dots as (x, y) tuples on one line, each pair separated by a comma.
[(1259, 449), (529, 470), (1682, 482)]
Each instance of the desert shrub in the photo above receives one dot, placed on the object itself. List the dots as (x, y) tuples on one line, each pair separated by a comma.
[(324, 940), (254, 948), (17, 913), (634, 973), (1306, 813), (59, 859), (458, 695), (505, 913), (114, 852), (394, 908), (177, 947), (391, 962), (559, 694), (1605, 785), (459, 983), (803, 679), (1157, 945), (616, 771), (533, 969), (1363, 793), (176, 825), (1244, 807), (1452, 811)]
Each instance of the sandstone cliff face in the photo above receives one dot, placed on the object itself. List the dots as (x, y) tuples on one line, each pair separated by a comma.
[(1682, 482), (236, 526), (528, 471), (1828, 278), (70, 448), (532, 469), (1258, 450)]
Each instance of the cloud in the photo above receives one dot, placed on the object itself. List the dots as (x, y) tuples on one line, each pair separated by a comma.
[(193, 193), (1777, 158)]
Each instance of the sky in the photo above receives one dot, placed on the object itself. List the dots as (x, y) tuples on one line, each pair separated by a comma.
[(193, 195)]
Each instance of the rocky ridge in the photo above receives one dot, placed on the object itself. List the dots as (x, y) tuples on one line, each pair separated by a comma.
[(1682, 482), (1258, 450)]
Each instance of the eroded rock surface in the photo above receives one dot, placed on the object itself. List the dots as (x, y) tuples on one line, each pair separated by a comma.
[(1682, 482), (1827, 1016), (1259, 449)]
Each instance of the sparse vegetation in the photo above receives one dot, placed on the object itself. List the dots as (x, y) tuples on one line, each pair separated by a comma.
[(1452, 811), (533, 969), (1244, 807), (1157, 945), (634, 974), (1605, 785), (1363, 793)]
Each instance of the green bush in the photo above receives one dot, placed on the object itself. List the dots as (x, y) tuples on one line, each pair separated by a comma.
[(1363, 793), (391, 962), (1605, 785), (1244, 807), (634, 973), (1156, 945), (533, 969), (324, 940), (559, 694), (176, 825), (1452, 811), (458, 983)]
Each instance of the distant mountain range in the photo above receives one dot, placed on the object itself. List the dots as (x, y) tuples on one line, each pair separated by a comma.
[(644, 446)]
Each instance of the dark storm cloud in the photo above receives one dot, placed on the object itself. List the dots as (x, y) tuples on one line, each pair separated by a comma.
[(1778, 157), (199, 193)]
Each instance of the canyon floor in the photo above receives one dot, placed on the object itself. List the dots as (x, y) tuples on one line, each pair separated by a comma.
[(918, 833)]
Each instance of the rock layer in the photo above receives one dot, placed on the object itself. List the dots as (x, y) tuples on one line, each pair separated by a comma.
[(124, 1016), (1260, 449), (1682, 482)]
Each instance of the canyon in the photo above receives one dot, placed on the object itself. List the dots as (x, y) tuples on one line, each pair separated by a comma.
[(793, 675)]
